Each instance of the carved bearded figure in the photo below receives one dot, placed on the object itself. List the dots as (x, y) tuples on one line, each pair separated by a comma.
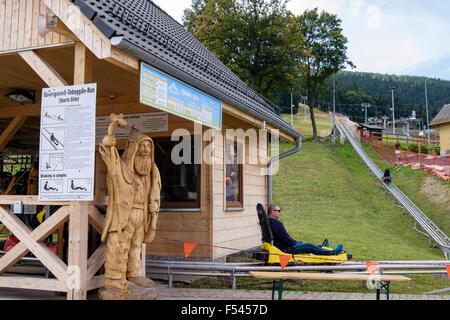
[(134, 186)]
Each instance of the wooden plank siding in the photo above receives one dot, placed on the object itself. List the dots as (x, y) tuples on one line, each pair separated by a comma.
[(18, 25), (237, 229)]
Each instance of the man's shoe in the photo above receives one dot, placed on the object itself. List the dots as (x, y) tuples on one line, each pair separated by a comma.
[(142, 282), (338, 249)]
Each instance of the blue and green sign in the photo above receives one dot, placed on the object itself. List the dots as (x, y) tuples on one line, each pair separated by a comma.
[(165, 93)]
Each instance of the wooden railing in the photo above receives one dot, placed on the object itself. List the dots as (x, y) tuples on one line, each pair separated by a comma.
[(78, 275)]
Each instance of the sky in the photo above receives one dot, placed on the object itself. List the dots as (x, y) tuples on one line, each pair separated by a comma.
[(402, 37)]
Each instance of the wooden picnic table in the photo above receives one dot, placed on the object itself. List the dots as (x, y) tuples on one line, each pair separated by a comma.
[(281, 276)]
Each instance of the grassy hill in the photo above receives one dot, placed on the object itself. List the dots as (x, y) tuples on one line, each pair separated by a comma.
[(325, 191)]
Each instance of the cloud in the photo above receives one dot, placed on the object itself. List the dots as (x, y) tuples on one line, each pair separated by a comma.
[(355, 8), (373, 17)]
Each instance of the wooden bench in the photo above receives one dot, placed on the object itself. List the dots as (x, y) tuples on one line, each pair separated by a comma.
[(281, 276)]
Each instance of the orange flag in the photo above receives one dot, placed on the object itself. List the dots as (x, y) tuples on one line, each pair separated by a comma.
[(188, 247), (284, 260), (448, 270), (371, 267)]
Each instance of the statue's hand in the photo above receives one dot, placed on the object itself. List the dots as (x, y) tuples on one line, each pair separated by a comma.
[(152, 228), (109, 141)]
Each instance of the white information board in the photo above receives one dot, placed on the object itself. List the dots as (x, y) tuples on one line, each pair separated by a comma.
[(142, 122), (67, 143)]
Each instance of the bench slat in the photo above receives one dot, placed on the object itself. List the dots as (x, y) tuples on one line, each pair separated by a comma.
[(326, 276)]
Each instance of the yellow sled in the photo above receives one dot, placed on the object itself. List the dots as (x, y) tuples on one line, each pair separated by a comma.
[(271, 254)]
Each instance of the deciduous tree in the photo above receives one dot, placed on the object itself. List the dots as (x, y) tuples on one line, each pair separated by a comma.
[(325, 53), (259, 40)]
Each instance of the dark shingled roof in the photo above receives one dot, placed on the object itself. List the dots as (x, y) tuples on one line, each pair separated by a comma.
[(442, 117), (147, 26)]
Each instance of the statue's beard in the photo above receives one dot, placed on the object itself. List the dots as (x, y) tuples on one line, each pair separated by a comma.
[(142, 164)]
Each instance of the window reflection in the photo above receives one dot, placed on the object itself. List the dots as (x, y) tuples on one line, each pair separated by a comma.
[(180, 183), (233, 174)]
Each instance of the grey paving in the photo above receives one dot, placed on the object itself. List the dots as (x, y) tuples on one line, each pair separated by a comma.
[(166, 293)]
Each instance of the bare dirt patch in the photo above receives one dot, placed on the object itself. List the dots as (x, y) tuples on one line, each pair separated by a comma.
[(437, 192)]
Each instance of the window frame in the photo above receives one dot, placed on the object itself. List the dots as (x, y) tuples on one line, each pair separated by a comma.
[(233, 205)]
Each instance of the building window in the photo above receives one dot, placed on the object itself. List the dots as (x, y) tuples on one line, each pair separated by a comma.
[(180, 182), (233, 175)]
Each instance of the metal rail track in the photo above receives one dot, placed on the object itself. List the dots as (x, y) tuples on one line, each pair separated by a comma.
[(234, 270), (427, 227)]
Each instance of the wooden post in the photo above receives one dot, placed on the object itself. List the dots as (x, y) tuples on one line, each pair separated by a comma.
[(77, 283), (420, 156), (82, 65), (78, 250)]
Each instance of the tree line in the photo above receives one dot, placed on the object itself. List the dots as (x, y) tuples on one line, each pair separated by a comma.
[(356, 88)]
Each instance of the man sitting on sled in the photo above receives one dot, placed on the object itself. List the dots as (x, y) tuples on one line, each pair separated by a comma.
[(284, 242)]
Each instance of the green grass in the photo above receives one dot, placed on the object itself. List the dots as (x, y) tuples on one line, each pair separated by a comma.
[(325, 191), (303, 124)]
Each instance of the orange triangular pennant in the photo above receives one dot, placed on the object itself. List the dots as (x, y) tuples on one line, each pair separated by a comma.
[(284, 260), (188, 247), (371, 267), (448, 270)]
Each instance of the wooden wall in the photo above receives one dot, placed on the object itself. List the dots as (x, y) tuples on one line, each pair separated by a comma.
[(18, 25), (444, 133)]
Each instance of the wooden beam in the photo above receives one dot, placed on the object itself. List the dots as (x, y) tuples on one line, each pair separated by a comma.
[(38, 234), (82, 65), (40, 250), (96, 219), (11, 130), (61, 29), (43, 69), (96, 282), (13, 109), (34, 200), (96, 261), (34, 283), (124, 60)]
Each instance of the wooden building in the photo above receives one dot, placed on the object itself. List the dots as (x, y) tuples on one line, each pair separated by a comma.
[(58, 43), (442, 123)]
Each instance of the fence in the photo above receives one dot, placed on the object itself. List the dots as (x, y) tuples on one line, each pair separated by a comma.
[(432, 163), (391, 138)]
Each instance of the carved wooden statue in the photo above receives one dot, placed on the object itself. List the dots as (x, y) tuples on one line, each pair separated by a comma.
[(134, 186)]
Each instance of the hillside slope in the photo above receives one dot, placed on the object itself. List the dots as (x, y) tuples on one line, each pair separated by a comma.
[(326, 192)]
